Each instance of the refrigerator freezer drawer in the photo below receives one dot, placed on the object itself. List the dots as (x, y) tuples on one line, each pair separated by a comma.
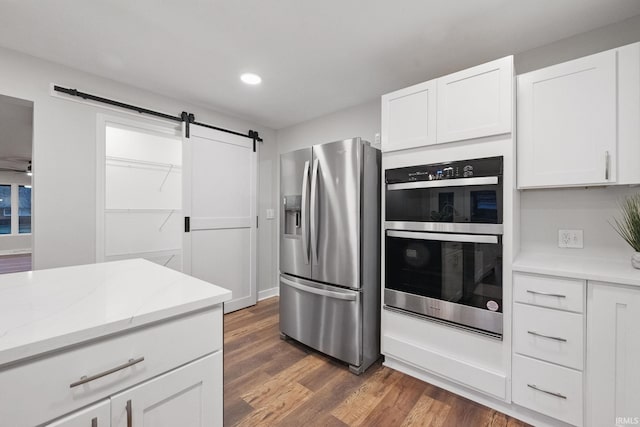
[(323, 317)]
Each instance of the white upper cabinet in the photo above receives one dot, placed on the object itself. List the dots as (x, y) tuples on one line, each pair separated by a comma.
[(409, 117), (476, 102), (578, 122), (469, 104), (629, 114)]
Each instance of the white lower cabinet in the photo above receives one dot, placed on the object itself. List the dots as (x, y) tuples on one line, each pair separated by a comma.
[(548, 346), (552, 335), (187, 396), (98, 415), (548, 388), (613, 355), (554, 373), (171, 372)]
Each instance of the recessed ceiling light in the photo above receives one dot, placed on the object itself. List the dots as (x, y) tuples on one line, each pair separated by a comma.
[(251, 78)]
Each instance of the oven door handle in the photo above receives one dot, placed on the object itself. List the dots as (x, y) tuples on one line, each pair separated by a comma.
[(445, 237), (457, 182)]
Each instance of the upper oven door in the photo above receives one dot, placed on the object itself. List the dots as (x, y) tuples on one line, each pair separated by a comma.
[(452, 201)]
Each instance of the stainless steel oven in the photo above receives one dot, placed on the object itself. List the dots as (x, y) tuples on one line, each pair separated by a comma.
[(443, 242)]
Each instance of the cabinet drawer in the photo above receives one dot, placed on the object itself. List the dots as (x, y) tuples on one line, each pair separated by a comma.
[(548, 291), (549, 389), (551, 335), (41, 388)]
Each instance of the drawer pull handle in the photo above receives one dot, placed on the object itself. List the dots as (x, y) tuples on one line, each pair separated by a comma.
[(129, 414), (85, 379), (547, 336), (546, 294), (533, 386)]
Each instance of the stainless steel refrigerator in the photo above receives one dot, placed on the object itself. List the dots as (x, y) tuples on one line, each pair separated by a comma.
[(330, 250)]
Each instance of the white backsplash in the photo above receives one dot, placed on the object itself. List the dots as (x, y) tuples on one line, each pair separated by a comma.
[(544, 212)]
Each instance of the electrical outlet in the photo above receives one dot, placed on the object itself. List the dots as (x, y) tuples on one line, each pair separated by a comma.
[(270, 213), (570, 239)]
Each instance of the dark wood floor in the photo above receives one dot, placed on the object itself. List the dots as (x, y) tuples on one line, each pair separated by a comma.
[(15, 263), (269, 382)]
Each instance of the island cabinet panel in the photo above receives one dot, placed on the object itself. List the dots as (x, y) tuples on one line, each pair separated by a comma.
[(188, 396), (613, 355), (66, 380), (98, 415)]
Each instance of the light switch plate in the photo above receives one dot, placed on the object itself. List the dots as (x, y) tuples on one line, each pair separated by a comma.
[(570, 239), (270, 214)]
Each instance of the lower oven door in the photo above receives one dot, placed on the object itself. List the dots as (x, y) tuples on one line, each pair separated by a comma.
[(452, 277), (323, 317)]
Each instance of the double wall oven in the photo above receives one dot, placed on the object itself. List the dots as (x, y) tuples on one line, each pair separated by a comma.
[(443, 242)]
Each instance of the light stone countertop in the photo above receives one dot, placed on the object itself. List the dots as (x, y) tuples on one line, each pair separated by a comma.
[(615, 271), (45, 310)]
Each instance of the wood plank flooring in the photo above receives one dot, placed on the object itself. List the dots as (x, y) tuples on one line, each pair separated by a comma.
[(15, 263), (271, 382)]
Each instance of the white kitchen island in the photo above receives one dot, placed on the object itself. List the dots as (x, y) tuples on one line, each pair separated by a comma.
[(125, 343)]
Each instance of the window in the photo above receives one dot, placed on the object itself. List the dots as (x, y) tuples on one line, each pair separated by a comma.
[(24, 210), (5, 209), (15, 209)]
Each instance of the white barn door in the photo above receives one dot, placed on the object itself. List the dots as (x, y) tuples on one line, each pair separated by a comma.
[(220, 178)]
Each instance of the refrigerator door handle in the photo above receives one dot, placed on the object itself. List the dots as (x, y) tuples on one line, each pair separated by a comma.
[(305, 225), (351, 296), (314, 213)]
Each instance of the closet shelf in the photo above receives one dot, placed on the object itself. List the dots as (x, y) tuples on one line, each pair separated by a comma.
[(146, 210), (142, 162), (146, 254)]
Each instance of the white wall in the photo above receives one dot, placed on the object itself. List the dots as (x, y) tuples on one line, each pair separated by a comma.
[(362, 120), (543, 212), (598, 40), (592, 210), (64, 155)]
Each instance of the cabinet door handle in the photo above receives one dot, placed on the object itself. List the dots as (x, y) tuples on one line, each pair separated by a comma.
[(94, 422), (129, 414), (547, 336), (85, 379), (533, 386), (546, 294), (606, 165)]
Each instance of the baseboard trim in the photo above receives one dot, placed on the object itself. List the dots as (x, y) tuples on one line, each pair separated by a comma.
[(268, 293), (16, 252)]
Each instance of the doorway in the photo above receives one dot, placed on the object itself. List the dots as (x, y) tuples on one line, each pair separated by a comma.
[(139, 188), (16, 188)]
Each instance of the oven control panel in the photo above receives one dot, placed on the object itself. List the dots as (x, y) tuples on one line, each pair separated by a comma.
[(460, 169)]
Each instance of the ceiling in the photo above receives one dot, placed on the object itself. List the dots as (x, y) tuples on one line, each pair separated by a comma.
[(315, 57)]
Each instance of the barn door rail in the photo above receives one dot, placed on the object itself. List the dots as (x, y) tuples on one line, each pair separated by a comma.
[(188, 118)]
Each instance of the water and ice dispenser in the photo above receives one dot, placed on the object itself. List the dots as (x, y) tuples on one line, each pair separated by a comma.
[(292, 215)]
